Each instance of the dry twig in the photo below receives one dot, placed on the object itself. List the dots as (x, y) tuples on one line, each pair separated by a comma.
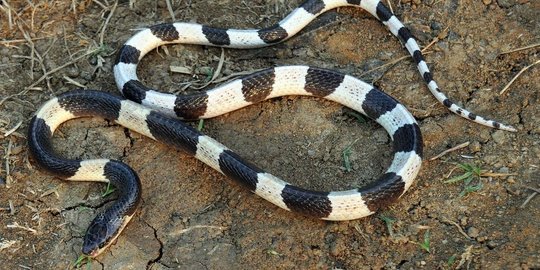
[(169, 7), (199, 227), (457, 226), (519, 74), (521, 49), (102, 34), (16, 225), (528, 200), (9, 132), (61, 67), (463, 145)]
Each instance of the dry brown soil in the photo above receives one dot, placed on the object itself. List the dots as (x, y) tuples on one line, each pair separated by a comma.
[(191, 217)]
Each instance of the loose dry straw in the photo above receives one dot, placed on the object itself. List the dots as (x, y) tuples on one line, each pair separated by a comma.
[(515, 77), (521, 49), (463, 145)]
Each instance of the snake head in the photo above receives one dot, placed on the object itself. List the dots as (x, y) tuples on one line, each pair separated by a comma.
[(101, 233)]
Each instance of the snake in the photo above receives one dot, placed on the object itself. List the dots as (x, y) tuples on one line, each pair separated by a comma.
[(161, 116)]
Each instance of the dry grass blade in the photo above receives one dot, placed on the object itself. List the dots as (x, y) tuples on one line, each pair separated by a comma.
[(237, 74), (179, 69), (8, 159), (521, 49), (492, 174), (4, 244), (533, 189), (16, 225), (528, 200), (9, 132), (61, 67), (217, 72), (424, 52), (465, 257), (460, 230), (102, 34), (463, 145), (519, 74), (391, 63), (74, 82), (11, 208), (170, 9), (221, 228), (7, 9), (8, 42)]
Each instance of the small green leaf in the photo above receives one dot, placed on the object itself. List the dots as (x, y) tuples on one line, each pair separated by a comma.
[(458, 178), (108, 191), (389, 223), (451, 260), (83, 259), (470, 189), (359, 117), (201, 125), (346, 154), (426, 244), (209, 74), (84, 208)]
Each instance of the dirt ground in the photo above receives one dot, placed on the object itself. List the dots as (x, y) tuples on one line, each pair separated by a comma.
[(191, 217)]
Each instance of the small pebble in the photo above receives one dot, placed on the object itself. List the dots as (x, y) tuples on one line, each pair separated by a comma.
[(463, 221), (473, 232), (499, 137), (72, 72), (486, 2), (492, 244), (475, 146), (506, 3)]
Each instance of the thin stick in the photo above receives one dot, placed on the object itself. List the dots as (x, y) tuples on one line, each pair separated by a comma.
[(74, 82), (521, 49), (100, 4), (492, 174), (533, 189), (465, 257), (11, 208), (233, 75), (169, 7), (217, 72), (6, 42), (515, 77), (35, 53), (463, 145), (457, 226), (6, 244), (528, 200), (390, 6), (7, 133), (61, 67), (16, 225), (102, 34), (8, 9), (8, 153), (391, 63), (199, 227)]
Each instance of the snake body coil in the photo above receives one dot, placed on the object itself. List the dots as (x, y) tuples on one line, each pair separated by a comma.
[(156, 118)]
